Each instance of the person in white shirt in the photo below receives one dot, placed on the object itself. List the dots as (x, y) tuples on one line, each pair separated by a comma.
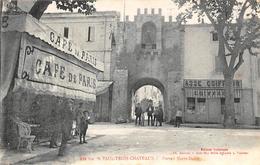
[(178, 117)]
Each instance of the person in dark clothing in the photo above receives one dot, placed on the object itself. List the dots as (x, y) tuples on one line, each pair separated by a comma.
[(55, 125), (149, 111), (138, 112), (155, 116), (160, 115), (66, 124), (83, 126)]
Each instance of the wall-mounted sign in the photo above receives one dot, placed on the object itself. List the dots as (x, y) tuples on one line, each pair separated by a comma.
[(43, 66), (193, 83), (68, 46), (209, 93)]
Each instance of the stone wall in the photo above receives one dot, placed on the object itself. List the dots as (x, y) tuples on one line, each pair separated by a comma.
[(120, 95)]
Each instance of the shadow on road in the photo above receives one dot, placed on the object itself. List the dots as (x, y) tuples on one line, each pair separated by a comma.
[(53, 155)]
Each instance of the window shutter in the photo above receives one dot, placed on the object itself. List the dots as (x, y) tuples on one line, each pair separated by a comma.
[(88, 34), (66, 32), (92, 33)]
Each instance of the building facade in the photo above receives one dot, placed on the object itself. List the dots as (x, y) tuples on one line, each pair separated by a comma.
[(95, 33), (42, 72), (181, 61)]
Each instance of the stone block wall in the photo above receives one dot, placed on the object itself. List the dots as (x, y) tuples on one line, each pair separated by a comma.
[(120, 95)]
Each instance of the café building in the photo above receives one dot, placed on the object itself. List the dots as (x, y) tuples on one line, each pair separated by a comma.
[(38, 66)]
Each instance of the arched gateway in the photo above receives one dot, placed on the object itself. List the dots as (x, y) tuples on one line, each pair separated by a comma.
[(149, 52), (144, 82)]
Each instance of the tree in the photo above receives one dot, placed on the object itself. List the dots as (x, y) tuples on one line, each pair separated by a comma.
[(238, 27), (83, 6)]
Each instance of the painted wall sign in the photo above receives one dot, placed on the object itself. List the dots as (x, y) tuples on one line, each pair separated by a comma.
[(43, 66), (68, 46), (193, 83), (209, 93)]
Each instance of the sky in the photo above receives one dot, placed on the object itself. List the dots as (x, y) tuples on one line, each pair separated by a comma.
[(167, 6)]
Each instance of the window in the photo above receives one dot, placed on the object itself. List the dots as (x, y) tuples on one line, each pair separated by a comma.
[(149, 35), (214, 36), (91, 33), (191, 103), (66, 32), (236, 100), (201, 105), (201, 100), (113, 40)]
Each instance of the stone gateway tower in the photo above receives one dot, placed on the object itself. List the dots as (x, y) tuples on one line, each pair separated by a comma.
[(149, 51)]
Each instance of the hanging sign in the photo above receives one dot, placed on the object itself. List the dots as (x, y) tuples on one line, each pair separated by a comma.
[(43, 66)]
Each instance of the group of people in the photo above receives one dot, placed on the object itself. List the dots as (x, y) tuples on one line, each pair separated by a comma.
[(155, 115), (69, 113)]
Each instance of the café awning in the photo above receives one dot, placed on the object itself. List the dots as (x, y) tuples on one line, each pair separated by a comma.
[(32, 62), (103, 86)]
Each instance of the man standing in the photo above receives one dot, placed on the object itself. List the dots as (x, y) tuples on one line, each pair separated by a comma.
[(138, 112), (149, 111), (160, 115), (155, 116), (66, 124), (178, 117), (83, 126), (53, 122)]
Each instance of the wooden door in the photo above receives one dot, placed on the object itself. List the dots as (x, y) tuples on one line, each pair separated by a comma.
[(214, 110)]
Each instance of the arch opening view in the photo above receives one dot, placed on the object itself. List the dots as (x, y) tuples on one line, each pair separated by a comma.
[(144, 95)]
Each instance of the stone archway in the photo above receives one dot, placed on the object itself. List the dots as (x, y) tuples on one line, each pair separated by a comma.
[(146, 81)]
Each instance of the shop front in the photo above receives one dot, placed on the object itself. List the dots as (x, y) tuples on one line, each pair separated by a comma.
[(205, 100), (41, 68)]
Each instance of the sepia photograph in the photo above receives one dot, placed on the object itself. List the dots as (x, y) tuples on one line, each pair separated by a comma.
[(130, 82)]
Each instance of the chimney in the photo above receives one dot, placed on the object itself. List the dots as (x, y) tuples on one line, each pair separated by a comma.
[(145, 11), (138, 11), (170, 18), (152, 11), (160, 11)]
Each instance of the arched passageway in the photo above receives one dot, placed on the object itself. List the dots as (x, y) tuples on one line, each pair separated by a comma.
[(145, 94), (146, 89)]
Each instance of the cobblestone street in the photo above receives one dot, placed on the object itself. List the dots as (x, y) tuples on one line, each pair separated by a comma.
[(129, 144)]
